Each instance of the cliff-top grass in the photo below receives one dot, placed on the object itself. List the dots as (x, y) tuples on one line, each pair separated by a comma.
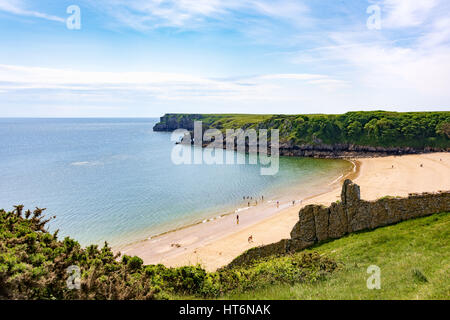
[(414, 258)]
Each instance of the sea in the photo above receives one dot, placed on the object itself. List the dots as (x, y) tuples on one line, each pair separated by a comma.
[(114, 179)]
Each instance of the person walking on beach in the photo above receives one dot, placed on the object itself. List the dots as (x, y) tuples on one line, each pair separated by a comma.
[(278, 204), (249, 204), (293, 202), (237, 219)]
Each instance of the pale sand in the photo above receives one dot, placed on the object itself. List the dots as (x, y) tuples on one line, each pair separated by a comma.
[(216, 243)]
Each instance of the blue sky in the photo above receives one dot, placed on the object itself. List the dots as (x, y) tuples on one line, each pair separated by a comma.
[(145, 58)]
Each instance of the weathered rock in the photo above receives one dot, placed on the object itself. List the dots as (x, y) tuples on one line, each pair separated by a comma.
[(294, 245), (321, 217), (305, 229), (171, 122), (381, 214), (350, 194), (359, 217), (338, 223), (318, 223)]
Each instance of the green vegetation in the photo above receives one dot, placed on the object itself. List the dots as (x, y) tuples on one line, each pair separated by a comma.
[(34, 264), (374, 128), (414, 258), (219, 121)]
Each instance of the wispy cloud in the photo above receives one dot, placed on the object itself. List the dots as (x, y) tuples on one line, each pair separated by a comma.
[(191, 14), (17, 7), (32, 80), (407, 13)]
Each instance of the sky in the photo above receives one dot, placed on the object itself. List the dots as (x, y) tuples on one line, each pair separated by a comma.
[(146, 58)]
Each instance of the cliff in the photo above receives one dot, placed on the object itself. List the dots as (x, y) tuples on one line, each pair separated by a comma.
[(171, 122), (352, 135), (352, 214)]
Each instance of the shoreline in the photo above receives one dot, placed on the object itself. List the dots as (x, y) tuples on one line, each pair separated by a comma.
[(268, 206), (220, 241), (349, 175)]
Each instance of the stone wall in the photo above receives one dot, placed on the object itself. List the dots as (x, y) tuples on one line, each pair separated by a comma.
[(351, 214)]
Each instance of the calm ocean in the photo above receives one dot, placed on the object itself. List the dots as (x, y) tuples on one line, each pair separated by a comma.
[(113, 179)]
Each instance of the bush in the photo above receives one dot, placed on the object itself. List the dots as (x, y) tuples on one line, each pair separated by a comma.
[(34, 265), (135, 263), (373, 128)]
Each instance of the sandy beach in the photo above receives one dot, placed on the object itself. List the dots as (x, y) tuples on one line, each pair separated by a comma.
[(215, 243)]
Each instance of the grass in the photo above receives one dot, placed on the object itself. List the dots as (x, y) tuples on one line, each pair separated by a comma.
[(414, 258), (234, 121)]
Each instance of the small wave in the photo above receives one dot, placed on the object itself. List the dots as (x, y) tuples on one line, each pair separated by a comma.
[(241, 209), (85, 163), (336, 180)]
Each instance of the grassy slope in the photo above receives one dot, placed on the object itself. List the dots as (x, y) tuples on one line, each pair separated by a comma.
[(33, 265), (234, 121), (403, 252)]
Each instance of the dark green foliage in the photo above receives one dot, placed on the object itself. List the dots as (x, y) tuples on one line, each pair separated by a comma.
[(376, 128), (418, 275), (373, 128), (34, 265)]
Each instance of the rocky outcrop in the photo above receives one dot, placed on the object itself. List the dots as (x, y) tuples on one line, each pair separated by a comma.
[(171, 122), (348, 150), (351, 214)]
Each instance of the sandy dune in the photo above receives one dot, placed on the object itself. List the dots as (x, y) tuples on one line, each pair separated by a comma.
[(216, 243)]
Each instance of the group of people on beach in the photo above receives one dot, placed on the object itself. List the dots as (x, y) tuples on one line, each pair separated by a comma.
[(250, 238), (251, 199)]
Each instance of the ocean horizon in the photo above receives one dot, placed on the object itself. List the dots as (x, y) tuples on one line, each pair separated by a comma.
[(112, 179)]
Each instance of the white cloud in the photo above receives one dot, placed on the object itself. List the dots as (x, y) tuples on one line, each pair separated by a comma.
[(16, 7), (439, 34), (413, 72), (407, 13), (25, 82)]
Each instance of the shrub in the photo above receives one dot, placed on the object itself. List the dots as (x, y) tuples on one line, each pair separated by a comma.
[(34, 264)]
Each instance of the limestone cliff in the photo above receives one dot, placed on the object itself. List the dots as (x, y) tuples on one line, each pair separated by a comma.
[(315, 149)]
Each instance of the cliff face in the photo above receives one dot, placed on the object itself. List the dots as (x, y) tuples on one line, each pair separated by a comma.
[(348, 150), (171, 122), (352, 214)]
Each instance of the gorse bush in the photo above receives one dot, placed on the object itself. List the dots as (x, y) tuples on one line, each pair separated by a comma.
[(34, 264)]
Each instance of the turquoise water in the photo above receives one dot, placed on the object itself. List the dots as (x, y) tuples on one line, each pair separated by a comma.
[(113, 179)]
